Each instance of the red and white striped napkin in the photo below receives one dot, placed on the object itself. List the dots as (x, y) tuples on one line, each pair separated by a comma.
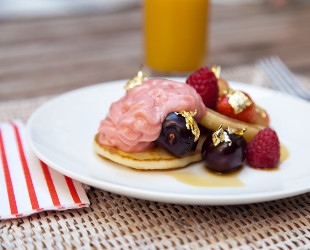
[(27, 185)]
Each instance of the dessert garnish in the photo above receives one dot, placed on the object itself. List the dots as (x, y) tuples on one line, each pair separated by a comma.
[(222, 84), (238, 105), (216, 69), (238, 100), (179, 134), (237, 131), (220, 136), (190, 122), (136, 80), (264, 150), (205, 83), (224, 152)]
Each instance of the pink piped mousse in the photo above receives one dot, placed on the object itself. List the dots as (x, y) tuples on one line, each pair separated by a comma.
[(135, 121)]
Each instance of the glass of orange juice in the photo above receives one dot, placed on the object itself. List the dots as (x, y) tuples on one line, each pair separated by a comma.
[(175, 35)]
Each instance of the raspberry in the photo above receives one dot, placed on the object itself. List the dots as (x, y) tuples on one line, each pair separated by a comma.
[(264, 149), (205, 83)]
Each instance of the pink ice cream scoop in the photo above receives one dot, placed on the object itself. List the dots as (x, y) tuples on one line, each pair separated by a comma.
[(135, 121)]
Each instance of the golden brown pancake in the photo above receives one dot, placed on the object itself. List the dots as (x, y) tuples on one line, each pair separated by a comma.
[(154, 159)]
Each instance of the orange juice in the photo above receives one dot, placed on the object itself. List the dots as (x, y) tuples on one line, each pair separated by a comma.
[(175, 34)]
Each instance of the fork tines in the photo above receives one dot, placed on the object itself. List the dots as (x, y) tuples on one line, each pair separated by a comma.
[(282, 78)]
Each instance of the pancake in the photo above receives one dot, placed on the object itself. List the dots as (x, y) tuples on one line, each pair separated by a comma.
[(156, 158)]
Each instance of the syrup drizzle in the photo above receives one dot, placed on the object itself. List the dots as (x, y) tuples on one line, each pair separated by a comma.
[(210, 179), (284, 153), (207, 179)]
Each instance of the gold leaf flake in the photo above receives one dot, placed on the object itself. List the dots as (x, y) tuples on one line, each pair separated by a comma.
[(190, 122), (216, 69), (136, 80), (238, 100), (236, 131), (220, 136)]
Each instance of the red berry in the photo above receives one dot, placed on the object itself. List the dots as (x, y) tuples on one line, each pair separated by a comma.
[(205, 83), (238, 105), (264, 149)]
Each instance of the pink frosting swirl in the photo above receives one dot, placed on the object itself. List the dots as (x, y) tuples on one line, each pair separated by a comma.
[(135, 121)]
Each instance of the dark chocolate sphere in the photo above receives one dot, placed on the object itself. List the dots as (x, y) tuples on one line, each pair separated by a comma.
[(225, 157), (175, 137)]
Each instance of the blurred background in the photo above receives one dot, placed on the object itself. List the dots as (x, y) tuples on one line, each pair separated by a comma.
[(51, 46)]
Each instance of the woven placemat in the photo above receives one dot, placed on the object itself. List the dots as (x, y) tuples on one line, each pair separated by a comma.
[(119, 222)]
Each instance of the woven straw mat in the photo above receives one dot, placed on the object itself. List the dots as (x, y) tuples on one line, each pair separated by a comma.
[(119, 222)]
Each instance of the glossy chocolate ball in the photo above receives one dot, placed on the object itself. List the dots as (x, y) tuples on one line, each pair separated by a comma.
[(175, 137), (227, 156)]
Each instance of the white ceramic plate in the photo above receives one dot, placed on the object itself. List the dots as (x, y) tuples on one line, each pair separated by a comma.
[(61, 134)]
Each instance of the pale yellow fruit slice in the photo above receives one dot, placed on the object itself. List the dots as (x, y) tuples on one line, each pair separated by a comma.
[(212, 120)]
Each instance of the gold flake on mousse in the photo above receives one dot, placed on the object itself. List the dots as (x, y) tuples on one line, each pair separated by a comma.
[(190, 122), (238, 100), (136, 80)]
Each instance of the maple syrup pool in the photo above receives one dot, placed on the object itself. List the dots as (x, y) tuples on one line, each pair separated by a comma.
[(210, 179)]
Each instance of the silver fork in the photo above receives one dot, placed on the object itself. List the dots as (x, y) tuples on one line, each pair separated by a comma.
[(282, 78)]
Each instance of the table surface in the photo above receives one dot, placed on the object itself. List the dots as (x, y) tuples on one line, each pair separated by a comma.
[(43, 56), (46, 56)]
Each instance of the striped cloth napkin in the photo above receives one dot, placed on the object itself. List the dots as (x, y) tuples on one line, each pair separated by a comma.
[(28, 185)]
